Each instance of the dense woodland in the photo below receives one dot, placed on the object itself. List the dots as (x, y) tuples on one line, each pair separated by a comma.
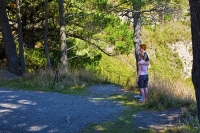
[(102, 36)]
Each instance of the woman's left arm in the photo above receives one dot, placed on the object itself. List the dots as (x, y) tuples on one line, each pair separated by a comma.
[(144, 63), (139, 70)]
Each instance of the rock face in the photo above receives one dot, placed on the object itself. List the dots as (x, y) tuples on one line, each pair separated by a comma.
[(184, 50)]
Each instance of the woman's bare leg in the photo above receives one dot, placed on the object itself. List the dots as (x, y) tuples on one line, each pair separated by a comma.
[(142, 92), (146, 93)]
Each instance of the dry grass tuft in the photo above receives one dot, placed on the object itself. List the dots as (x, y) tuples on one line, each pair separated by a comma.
[(49, 79), (165, 93)]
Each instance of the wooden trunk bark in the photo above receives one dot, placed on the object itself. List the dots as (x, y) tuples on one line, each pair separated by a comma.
[(10, 48), (46, 36), (195, 29), (137, 24), (20, 38), (63, 37), (137, 33)]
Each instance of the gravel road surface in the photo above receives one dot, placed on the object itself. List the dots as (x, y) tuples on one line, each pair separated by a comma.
[(47, 112)]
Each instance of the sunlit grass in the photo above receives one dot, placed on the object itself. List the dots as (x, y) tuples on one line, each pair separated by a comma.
[(48, 80), (165, 93)]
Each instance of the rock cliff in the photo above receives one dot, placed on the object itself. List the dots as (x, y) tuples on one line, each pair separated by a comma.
[(184, 50)]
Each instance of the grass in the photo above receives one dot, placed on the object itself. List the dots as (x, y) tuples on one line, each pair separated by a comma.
[(167, 33), (118, 70), (167, 93), (43, 80)]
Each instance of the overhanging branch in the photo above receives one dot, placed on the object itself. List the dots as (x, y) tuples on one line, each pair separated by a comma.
[(91, 43), (158, 8)]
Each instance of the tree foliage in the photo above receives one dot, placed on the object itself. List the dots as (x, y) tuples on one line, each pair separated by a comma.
[(87, 22), (92, 26)]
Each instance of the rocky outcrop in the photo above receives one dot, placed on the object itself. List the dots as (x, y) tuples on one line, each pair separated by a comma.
[(184, 50)]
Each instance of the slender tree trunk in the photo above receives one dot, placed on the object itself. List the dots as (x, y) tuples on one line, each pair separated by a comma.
[(137, 24), (195, 29), (21, 47), (10, 48), (46, 36), (63, 37)]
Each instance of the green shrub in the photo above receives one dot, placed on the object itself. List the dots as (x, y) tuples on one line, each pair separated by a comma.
[(119, 70)]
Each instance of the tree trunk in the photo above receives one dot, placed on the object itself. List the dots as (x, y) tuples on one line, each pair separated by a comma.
[(45, 36), (137, 24), (195, 29), (10, 48), (63, 37), (20, 38)]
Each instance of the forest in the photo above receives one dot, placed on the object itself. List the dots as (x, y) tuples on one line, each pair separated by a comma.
[(97, 41)]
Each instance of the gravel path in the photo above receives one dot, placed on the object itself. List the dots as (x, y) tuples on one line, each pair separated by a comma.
[(159, 120), (47, 112)]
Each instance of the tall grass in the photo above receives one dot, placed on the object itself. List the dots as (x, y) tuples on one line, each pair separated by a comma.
[(48, 80), (165, 93)]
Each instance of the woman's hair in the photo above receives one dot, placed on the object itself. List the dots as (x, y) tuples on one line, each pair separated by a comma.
[(142, 55), (143, 46)]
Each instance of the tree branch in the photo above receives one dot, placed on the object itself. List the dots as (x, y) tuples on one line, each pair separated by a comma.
[(91, 43)]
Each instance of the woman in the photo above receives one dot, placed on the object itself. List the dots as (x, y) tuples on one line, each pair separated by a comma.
[(143, 78)]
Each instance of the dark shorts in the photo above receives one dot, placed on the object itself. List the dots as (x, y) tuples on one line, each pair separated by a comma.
[(143, 81)]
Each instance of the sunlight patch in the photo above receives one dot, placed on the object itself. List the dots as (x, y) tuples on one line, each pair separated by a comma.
[(99, 128), (5, 91), (37, 128), (14, 96), (9, 105), (5, 112), (26, 102)]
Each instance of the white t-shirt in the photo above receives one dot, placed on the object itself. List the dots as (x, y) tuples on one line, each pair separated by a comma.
[(144, 68)]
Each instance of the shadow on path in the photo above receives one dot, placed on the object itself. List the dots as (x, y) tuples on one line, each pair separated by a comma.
[(158, 120)]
